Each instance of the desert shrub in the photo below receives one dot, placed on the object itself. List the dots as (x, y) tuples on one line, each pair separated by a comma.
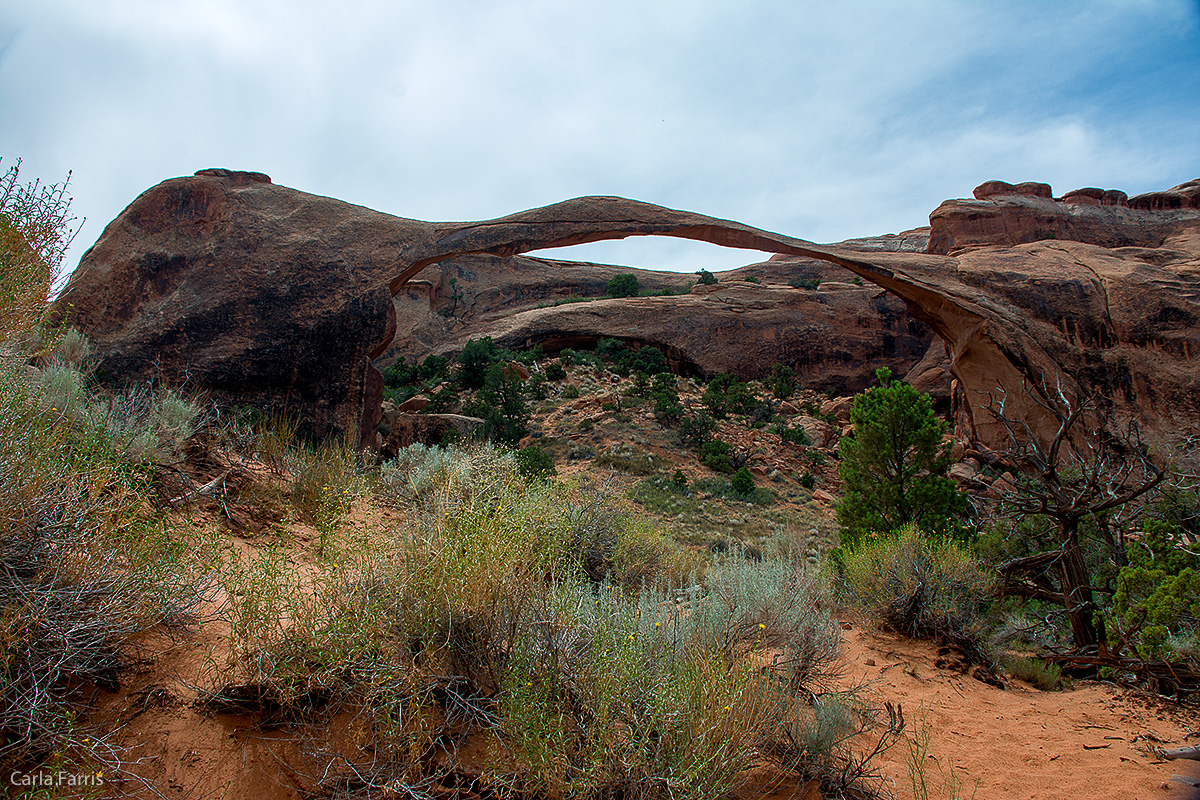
[(36, 228), (453, 473), (919, 586), (714, 454), (551, 616), (85, 569), (555, 371), (807, 480), (534, 462), (719, 487), (627, 458), (326, 480), (152, 424), (624, 285), (783, 381), (743, 482), (770, 604), (501, 404), (795, 435), (680, 480), (706, 277), (1045, 675), (478, 356), (571, 392), (894, 466), (751, 279), (1157, 602)]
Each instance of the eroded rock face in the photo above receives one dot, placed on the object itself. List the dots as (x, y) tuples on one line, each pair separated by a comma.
[(835, 336), (271, 296), (1003, 215)]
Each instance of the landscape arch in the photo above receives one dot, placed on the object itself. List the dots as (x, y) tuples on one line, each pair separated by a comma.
[(276, 298)]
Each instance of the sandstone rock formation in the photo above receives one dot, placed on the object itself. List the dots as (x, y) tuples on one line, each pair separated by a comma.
[(400, 428), (1016, 215), (834, 339), (280, 298)]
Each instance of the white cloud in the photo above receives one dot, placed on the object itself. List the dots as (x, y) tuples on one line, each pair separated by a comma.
[(819, 120)]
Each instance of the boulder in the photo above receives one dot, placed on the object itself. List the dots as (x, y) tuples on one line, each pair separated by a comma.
[(989, 189), (838, 407), (429, 429), (819, 432), (964, 472), (822, 496), (414, 404)]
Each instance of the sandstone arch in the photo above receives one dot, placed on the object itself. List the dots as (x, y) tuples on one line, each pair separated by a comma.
[(278, 298)]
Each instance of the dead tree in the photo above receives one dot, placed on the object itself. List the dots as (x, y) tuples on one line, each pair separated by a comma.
[(1086, 470)]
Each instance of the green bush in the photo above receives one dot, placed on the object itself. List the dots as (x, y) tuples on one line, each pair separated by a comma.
[(571, 392), (89, 573), (668, 408), (555, 371), (536, 388), (919, 586), (782, 381), (727, 394), (500, 403), (807, 480), (477, 357), (714, 454), (611, 349), (679, 480), (1157, 602), (706, 277), (641, 385), (648, 359), (624, 285), (1045, 675), (534, 462), (743, 482), (795, 435), (894, 466), (696, 429), (627, 458)]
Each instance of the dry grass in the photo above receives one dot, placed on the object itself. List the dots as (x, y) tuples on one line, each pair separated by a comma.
[(547, 618)]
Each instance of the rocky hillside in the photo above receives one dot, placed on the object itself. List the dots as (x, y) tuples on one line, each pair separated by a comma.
[(800, 312)]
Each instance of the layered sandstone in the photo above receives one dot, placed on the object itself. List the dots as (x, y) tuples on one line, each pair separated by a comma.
[(791, 313), (280, 298)]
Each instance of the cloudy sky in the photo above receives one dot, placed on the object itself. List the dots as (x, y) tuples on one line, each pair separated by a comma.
[(822, 120)]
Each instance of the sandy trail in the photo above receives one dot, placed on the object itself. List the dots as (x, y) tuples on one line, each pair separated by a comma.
[(1095, 741)]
